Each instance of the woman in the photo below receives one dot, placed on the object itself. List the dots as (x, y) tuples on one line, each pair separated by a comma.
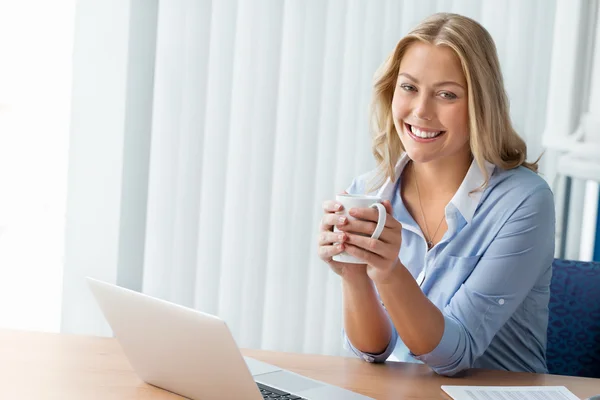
[(463, 265)]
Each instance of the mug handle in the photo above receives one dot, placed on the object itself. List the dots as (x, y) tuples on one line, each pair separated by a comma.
[(380, 220)]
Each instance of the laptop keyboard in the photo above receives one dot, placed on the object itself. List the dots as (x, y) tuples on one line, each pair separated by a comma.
[(271, 393)]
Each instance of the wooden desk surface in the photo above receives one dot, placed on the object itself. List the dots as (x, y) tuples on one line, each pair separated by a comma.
[(56, 366)]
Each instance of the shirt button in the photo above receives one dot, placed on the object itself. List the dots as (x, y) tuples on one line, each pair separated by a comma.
[(368, 358), (501, 302)]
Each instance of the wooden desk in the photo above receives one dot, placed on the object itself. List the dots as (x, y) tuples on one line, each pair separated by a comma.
[(68, 367)]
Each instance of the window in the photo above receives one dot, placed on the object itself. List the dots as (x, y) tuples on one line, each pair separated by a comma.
[(36, 40)]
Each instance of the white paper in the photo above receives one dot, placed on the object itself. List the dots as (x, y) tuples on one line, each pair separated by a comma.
[(509, 392)]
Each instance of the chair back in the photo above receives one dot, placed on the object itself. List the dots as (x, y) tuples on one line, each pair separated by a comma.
[(574, 320)]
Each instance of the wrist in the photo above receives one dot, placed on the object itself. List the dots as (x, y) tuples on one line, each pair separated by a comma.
[(395, 274), (356, 279)]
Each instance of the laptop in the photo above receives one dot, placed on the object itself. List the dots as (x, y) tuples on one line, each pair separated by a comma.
[(194, 354)]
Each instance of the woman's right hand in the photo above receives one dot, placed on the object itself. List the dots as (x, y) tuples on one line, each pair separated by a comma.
[(332, 243)]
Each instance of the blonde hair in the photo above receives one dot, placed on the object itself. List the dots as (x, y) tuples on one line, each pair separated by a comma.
[(492, 136)]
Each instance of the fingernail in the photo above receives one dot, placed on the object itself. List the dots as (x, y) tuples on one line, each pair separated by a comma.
[(342, 220), (340, 246), (337, 206), (341, 238), (352, 211)]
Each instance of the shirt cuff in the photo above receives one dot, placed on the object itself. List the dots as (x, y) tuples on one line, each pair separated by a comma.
[(374, 358), (446, 350)]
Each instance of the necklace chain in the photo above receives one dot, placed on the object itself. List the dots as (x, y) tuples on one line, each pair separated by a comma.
[(428, 238)]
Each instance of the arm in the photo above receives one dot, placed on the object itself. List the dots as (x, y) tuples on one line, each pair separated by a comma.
[(418, 321), (503, 277), (368, 329), (450, 341)]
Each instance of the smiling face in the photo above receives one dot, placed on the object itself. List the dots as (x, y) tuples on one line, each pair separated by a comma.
[(430, 107)]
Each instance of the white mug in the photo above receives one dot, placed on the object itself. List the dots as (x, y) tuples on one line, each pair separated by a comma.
[(359, 201)]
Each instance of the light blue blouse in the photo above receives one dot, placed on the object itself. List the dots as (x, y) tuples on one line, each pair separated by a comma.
[(489, 275)]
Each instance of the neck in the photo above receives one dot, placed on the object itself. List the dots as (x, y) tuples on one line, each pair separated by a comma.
[(442, 176)]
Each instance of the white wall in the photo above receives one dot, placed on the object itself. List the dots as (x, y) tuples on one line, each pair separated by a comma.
[(95, 157), (108, 155)]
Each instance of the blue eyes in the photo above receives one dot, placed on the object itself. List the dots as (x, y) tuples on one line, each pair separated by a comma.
[(444, 95)]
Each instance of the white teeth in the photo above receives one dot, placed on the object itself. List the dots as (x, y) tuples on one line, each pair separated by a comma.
[(423, 134)]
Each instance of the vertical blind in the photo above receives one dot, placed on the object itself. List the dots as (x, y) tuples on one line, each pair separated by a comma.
[(260, 113)]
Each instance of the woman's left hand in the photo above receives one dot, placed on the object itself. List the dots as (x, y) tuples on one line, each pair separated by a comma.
[(380, 255)]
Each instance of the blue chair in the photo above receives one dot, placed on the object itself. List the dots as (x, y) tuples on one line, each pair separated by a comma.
[(574, 321)]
